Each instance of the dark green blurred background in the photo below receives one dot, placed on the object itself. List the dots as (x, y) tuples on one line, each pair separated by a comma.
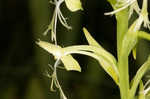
[(23, 63)]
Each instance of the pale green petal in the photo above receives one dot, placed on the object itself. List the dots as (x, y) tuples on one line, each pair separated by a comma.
[(73, 5), (51, 48), (70, 63)]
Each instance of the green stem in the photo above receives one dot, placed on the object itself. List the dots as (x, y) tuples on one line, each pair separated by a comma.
[(124, 76), (144, 35), (122, 27)]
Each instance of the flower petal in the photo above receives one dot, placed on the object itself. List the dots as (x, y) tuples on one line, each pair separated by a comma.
[(51, 48), (70, 63), (73, 5)]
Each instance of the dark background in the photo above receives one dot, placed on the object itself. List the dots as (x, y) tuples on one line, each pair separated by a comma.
[(23, 63)]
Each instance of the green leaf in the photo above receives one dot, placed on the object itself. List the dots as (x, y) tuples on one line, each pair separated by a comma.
[(69, 62), (98, 48), (107, 60), (90, 39), (141, 91), (140, 73), (74, 5), (144, 35), (109, 67), (130, 40)]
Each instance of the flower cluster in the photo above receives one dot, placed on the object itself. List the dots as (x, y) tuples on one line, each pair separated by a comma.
[(133, 6), (57, 51), (117, 69)]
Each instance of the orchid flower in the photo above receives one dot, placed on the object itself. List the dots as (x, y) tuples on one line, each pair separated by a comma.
[(134, 7), (94, 50), (57, 15), (72, 5), (107, 61), (121, 5), (143, 17)]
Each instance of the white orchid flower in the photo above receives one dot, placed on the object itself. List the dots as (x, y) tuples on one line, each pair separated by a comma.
[(134, 7), (57, 15), (94, 50), (72, 5), (121, 5), (143, 17)]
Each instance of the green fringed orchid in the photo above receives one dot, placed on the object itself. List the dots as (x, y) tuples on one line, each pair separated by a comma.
[(107, 61), (72, 5), (119, 5), (69, 62)]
